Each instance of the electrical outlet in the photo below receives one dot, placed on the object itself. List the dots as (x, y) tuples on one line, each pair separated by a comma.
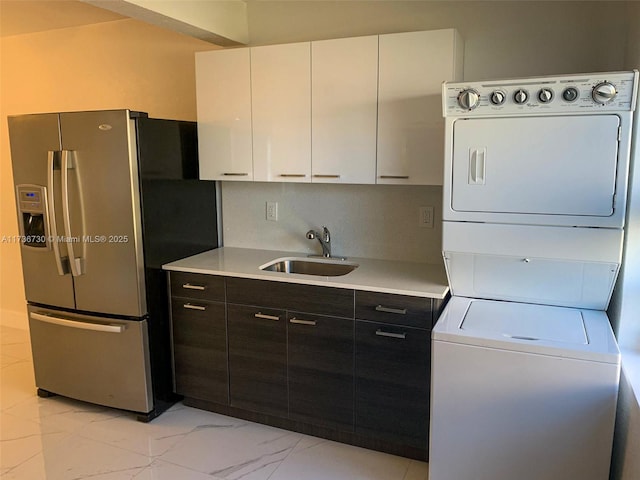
[(425, 217), (272, 211)]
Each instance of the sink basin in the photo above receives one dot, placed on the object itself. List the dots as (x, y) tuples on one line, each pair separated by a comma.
[(306, 266)]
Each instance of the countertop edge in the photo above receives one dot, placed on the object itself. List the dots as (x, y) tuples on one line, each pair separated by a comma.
[(433, 290)]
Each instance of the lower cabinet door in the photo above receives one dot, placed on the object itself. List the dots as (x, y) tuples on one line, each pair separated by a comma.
[(392, 383), (200, 349), (258, 359), (321, 367)]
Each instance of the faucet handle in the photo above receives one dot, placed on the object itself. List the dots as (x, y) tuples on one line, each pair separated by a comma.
[(311, 234)]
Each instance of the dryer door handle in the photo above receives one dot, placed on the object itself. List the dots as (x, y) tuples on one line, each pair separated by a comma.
[(477, 157)]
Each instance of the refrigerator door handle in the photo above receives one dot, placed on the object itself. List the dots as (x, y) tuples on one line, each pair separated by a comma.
[(68, 162), (64, 322), (62, 263)]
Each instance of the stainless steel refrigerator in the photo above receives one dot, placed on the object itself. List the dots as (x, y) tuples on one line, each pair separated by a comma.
[(104, 198)]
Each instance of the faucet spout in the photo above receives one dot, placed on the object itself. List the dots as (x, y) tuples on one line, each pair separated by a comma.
[(324, 238)]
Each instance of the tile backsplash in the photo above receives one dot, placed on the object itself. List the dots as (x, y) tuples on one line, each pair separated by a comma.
[(371, 221)]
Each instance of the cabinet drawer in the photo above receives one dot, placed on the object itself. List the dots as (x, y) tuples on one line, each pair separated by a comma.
[(337, 302), (195, 285), (200, 350), (395, 309)]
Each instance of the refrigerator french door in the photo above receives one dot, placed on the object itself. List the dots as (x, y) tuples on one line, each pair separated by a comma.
[(94, 336), (85, 164)]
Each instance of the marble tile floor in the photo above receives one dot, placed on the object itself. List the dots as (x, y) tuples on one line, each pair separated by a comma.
[(62, 439)]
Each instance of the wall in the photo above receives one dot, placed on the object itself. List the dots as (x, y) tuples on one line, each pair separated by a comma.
[(626, 305), (120, 64), (501, 39)]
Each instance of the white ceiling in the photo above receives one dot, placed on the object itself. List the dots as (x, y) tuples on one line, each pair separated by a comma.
[(28, 16), (221, 22)]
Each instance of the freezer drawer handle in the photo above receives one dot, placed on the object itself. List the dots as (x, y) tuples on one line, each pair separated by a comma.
[(191, 306), (62, 263), (68, 162), (193, 287), (266, 317), (382, 333), (399, 311), (78, 324), (303, 322)]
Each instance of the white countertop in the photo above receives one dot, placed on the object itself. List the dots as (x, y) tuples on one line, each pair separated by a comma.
[(386, 276)]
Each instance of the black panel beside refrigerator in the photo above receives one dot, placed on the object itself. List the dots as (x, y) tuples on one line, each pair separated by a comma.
[(178, 220)]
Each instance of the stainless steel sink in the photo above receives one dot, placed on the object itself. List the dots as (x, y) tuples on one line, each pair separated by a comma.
[(306, 266)]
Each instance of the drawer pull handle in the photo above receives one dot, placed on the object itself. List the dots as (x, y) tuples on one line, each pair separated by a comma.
[(318, 175), (190, 306), (193, 287), (65, 322), (235, 174), (292, 175), (399, 311), (382, 333), (395, 177), (266, 317), (303, 322)]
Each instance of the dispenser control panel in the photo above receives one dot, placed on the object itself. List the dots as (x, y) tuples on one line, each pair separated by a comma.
[(30, 198), (32, 217)]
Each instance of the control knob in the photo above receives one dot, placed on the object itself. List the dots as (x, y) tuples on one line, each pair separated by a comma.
[(468, 99), (570, 94), (498, 97), (545, 95), (603, 93), (520, 97)]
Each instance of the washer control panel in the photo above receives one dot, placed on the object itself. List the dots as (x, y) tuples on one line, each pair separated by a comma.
[(591, 92)]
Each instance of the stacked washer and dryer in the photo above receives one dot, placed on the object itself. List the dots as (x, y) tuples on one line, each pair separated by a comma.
[(525, 366)]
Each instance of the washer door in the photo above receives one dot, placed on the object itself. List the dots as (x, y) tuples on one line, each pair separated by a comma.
[(563, 165)]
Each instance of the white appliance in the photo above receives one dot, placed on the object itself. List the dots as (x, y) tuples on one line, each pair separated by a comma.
[(525, 366)]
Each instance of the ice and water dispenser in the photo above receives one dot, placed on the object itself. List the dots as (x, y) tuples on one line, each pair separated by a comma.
[(33, 217)]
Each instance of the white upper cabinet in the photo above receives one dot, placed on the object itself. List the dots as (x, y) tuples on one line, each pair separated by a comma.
[(410, 123), (281, 109), (352, 110), (223, 90), (344, 80)]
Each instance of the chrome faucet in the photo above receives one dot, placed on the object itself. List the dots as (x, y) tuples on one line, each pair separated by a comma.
[(324, 238)]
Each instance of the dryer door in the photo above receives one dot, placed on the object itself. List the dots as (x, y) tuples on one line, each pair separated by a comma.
[(560, 166)]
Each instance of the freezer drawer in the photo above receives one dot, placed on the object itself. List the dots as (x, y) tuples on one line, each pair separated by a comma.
[(98, 360)]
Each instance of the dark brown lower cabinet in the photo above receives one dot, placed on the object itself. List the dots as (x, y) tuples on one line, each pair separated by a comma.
[(200, 349), (321, 368), (356, 369), (392, 383), (257, 359)]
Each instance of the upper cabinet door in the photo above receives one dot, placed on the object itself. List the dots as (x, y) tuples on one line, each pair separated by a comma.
[(410, 123), (223, 89), (344, 78), (281, 104)]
